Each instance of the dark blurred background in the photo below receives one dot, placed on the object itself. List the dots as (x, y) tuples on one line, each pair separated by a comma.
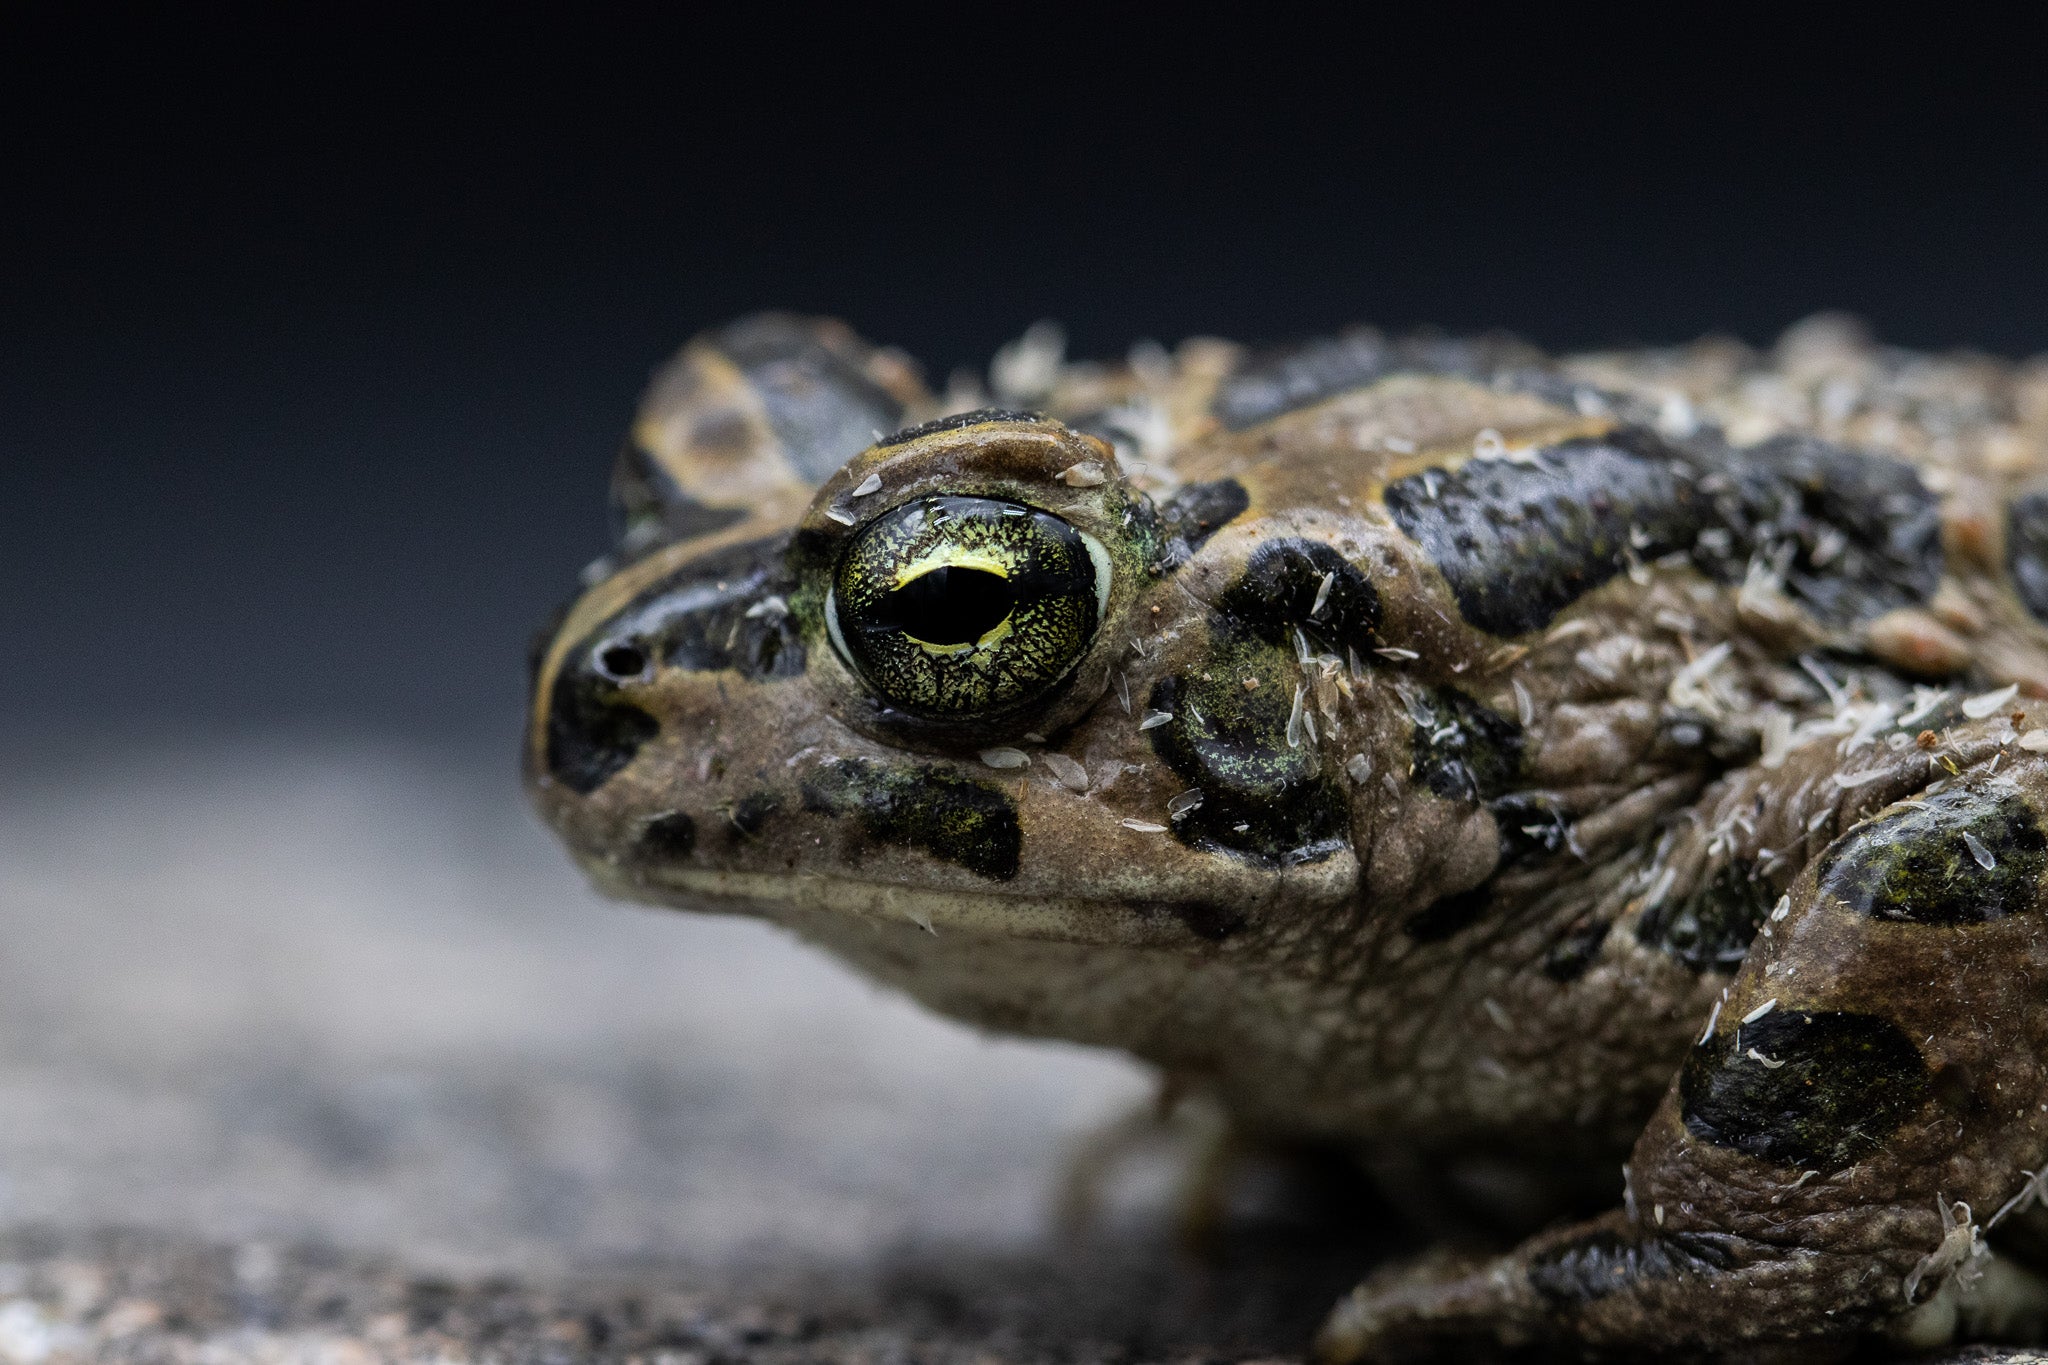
[(317, 332)]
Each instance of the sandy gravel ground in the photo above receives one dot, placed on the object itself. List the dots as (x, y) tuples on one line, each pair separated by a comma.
[(324, 1055)]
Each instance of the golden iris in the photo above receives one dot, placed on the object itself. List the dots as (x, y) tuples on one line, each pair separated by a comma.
[(959, 607)]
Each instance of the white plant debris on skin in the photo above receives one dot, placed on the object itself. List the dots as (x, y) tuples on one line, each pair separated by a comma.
[(2033, 1193), (1001, 757), (772, 605), (1713, 1018), (1186, 803), (1154, 719), (1297, 720), (1142, 826), (1925, 699), (1322, 594), (1838, 697), (1869, 719), (1150, 430), (1024, 371), (871, 484), (1978, 851), (2035, 741), (1086, 474), (841, 515), (1359, 768), (1988, 703), (1069, 772), (1777, 738), (1525, 705), (1692, 687), (1418, 705), (1961, 1242), (1761, 1010), (1396, 653)]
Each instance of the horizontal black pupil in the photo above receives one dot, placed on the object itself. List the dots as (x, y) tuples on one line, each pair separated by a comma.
[(948, 606)]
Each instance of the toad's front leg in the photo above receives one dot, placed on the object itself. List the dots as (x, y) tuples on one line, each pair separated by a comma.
[(1867, 1101)]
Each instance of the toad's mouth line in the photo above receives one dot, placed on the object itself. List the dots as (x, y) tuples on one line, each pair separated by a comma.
[(802, 899)]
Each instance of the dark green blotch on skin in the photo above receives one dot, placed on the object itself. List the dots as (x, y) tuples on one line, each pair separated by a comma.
[(668, 838), (1914, 866), (1604, 1262), (1710, 930), (924, 806), (1847, 1082), (1232, 745), (2026, 551), (1572, 956), (1276, 595), (956, 422), (1464, 751), (1520, 541), (1446, 915), (1196, 512)]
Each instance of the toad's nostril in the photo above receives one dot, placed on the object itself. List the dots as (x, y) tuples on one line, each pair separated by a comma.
[(595, 726), (622, 661)]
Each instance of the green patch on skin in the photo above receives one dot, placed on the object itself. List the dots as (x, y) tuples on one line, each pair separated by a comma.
[(1710, 930), (1463, 751), (924, 806), (1964, 856), (1260, 796), (1830, 1087)]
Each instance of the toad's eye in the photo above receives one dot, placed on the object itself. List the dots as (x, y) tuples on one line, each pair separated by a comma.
[(958, 608)]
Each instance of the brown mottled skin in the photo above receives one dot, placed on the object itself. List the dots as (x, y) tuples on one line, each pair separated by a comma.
[(1526, 878)]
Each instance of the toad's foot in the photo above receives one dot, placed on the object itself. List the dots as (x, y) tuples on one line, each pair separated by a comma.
[(1201, 1142)]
